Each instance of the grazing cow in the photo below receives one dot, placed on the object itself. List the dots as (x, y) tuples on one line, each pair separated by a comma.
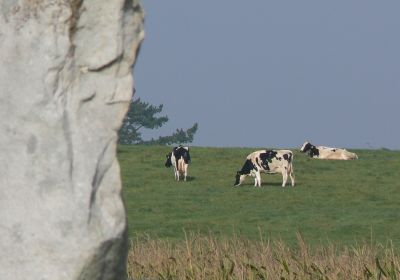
[(322, 152), (179, 159), (267, 161)]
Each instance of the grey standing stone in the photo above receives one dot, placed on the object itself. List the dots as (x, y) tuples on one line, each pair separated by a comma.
[(65, 86)]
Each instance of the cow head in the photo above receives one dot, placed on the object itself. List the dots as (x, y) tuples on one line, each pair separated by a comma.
[(239, 178), (168, 163), (311, 149), (306, 147)]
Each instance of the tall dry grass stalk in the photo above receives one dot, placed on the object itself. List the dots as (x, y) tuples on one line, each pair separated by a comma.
[(206, 257)]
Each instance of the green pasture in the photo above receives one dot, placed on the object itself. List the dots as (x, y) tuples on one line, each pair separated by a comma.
[(342, 202)]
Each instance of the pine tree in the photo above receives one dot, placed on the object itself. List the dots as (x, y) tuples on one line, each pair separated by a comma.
[(179, 137), (143, 115)]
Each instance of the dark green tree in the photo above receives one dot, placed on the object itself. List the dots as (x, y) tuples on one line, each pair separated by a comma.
[(179, 137), (143, 115)]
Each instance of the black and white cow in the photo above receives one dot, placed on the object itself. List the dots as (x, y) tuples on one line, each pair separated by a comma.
[(323, 152), (267, 161), (179, 158)]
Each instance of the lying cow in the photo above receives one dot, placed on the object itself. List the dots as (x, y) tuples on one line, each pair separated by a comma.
[(267, 161), (322, 152), (179, 159)]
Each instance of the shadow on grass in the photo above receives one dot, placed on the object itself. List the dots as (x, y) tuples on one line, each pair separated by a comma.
[(188, 179), (268, 184)]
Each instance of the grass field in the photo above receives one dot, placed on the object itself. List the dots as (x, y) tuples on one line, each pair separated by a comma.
[(334, 202)]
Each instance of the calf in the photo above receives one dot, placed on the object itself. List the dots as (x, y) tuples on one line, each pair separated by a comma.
[(179, 158), (322, 152), (267, 161)]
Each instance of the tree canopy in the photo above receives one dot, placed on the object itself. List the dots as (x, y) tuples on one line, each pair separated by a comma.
[(144, 115), (180, 136)]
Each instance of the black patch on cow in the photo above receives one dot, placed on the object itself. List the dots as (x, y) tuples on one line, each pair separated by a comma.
[(181, 152), (267, 158), (314, 151), (268, 155), (263, 164), (247, 167), (168, 163), (311, 149), (288, 157)]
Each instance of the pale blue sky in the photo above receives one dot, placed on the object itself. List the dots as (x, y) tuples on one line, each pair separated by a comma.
[(263, 73)]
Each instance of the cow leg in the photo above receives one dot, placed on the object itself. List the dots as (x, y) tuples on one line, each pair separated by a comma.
[(284, 176), (177, 168), (291, 173), (185, 167), (254, 175), (258, 179), (292, 177)]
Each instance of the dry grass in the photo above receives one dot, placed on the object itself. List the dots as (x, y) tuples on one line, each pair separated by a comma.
[(205, 257)]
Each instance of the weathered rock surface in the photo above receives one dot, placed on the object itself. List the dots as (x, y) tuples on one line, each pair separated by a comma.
[(65, 85)]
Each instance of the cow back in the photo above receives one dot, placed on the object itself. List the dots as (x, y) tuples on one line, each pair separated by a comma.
[(270, 160), (181, 154)]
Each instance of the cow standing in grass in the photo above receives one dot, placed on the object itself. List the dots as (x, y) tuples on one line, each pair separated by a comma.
[(323, 152), (179, 158), (267, 161)]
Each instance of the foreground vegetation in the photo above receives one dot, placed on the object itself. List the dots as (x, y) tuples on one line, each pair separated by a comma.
[(207, 258)]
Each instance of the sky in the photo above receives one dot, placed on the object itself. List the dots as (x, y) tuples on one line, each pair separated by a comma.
[(274, 74)]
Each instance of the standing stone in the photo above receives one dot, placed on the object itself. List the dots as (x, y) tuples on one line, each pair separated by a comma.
[(65, 86)]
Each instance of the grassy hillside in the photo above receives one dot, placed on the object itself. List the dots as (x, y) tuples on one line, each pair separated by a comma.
[(343, 202)]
